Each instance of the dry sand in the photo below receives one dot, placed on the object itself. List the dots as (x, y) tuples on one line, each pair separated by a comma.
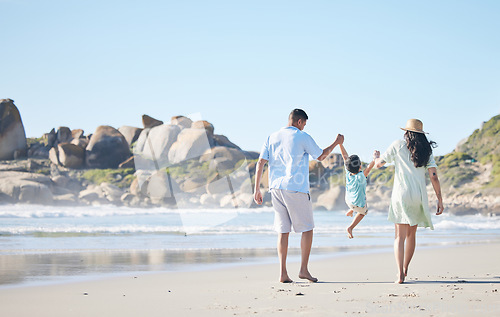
[(447, 281)]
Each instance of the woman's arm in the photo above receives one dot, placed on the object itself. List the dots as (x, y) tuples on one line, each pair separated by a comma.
[(437, 189)]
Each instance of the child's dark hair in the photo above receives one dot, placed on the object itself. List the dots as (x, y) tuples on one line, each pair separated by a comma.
[(353, 164)]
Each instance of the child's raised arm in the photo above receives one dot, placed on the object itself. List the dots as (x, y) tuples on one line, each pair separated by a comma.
[(345, 156), (376, 155)]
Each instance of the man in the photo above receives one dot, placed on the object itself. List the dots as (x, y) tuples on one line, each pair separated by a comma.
[(287, 152)]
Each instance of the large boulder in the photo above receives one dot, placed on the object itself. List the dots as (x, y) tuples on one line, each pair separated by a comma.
[(71, 155), (155, 143), (161, 188), (107, 148), (181, 121), (77, 133), (64, 135), (12, 135), (149, 122), (26, 187), (222, 158), (190, 143), (203, 124), (131, 134)]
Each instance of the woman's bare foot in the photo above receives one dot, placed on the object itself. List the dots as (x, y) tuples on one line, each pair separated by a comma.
[(406, 271), (349, 213), (308, 276), (401, 279), (349, 233)]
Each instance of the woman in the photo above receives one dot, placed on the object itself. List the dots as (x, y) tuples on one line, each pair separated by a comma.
[(409, 207)]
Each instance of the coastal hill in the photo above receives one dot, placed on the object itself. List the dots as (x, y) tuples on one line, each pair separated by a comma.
[(185, 164)]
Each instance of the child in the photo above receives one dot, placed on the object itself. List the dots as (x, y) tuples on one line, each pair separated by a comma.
[(355, 187)]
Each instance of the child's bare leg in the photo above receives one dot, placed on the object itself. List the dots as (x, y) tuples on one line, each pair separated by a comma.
[(349, 213), (354, 223)]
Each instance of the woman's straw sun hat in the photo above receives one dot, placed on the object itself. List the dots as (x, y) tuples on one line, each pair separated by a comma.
[(414, 125)]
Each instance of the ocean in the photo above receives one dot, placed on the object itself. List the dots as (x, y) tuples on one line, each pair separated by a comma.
[(41, 244)]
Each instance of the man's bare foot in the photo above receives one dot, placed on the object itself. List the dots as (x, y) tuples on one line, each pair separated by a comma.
[(308, 276), (349, 233), (349, 213), (401, 279)]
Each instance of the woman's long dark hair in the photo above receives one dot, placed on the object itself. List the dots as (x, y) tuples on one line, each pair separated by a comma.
[(420, 148)]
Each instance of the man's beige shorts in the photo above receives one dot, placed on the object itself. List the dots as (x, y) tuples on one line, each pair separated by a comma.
[(292, 209), (359, 210)]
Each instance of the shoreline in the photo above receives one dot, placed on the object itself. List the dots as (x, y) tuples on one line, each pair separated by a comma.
[(84, 265), (461, 280)]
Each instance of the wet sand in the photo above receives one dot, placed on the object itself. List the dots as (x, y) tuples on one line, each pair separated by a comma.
[(445, 281)]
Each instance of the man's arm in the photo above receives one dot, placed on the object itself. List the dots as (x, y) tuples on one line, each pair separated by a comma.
[(328, 150), (258, 177), (367, 171)]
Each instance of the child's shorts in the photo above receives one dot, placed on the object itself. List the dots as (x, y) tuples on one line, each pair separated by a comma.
[(359, 210)]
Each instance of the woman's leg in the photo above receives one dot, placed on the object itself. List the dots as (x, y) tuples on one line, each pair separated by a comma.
[(411, 241), (399, 249)]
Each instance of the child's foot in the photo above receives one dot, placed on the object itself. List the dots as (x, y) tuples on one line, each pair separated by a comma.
[(349, 213), (349, 233)]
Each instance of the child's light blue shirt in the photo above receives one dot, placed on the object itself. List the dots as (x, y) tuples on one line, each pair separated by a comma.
[(355, 188), (287, 151)]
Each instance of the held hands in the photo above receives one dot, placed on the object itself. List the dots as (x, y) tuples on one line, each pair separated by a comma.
[(376, 155), (340, 139), (440, 207), (258, 197)]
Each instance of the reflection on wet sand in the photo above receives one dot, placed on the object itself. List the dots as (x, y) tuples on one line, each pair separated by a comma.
[(26, 268)]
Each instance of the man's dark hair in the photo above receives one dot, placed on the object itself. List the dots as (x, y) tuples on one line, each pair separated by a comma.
[(297, 114), (353, 163)]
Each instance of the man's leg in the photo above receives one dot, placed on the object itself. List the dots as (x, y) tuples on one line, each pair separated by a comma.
[(305, 245), (282, 253)]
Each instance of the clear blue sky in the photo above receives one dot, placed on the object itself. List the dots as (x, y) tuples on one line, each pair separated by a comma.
[(361, 68)]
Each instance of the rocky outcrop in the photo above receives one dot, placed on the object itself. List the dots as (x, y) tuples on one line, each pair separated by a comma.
[(12, 136), (107, 148), (332, 199)]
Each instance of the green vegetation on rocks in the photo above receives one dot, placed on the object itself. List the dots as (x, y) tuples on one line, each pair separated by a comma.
[(484, 141), (382, 176), (455, 168), (121, 177)]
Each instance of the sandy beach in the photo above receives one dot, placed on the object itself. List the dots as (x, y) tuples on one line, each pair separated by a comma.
[(445, 281)]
